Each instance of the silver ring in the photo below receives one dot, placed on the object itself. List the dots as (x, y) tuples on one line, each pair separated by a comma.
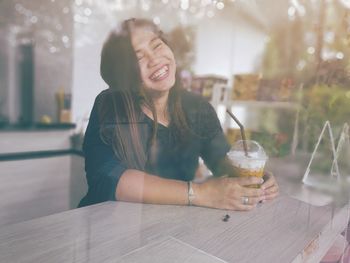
[(245, 200)]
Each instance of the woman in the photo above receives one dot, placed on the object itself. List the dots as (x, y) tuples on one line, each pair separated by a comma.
[(145, 133)]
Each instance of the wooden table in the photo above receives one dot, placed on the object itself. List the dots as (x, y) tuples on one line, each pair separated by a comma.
[(283, 230), (124, 232)]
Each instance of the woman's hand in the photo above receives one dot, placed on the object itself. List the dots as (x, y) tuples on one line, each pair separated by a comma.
[(270, 186), (229, 193)]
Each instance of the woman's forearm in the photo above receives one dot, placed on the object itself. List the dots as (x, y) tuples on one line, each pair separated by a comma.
[(221, 192), (138, 186)]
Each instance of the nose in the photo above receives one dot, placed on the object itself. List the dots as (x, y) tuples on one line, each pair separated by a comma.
[(152, 59)]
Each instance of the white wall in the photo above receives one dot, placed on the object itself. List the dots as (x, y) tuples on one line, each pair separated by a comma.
[(247, 48), (227, 45), (214, 47), (87, 82)]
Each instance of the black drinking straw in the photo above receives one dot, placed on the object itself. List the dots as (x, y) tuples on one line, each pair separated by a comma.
[(242, 131)]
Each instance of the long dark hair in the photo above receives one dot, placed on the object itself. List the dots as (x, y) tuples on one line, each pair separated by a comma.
[(120, 70)]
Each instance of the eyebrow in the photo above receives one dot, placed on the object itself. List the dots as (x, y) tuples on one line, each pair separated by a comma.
[(152, 40)]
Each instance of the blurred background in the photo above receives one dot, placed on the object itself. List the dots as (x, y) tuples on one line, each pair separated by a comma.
[(271, 57), (281, 66)]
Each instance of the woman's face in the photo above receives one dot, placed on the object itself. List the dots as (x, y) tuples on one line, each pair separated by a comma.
[(156, 60)]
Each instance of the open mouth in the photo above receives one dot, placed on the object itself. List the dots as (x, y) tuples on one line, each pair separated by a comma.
[(160, 74)]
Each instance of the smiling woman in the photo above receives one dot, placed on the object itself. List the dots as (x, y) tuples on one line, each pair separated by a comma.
[(156, 60), (146, 133)]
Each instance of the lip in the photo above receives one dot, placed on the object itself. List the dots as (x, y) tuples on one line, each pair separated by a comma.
[(151, 77)]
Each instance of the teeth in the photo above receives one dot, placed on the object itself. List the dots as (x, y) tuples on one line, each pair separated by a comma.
[(159, 73)]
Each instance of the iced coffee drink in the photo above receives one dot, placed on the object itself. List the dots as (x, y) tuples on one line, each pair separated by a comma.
[(250, 163)]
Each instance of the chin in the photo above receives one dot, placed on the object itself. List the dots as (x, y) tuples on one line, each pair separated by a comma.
[(162, 86)]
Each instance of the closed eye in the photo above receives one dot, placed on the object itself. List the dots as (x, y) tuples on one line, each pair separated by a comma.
[(139, 55), (158, 45)]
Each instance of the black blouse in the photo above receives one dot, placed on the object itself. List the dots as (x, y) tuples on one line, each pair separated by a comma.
[(103, 168)]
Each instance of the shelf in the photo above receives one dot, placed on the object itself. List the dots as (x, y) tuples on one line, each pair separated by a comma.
[(37, 127), (264, 104)]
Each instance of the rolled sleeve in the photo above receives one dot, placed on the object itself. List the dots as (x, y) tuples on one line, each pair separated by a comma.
[(214, 143), (103, 168)]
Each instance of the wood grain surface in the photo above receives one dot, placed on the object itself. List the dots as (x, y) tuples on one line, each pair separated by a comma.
[(276, 231)]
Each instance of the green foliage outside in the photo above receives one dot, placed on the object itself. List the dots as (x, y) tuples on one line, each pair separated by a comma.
[(317, 57)]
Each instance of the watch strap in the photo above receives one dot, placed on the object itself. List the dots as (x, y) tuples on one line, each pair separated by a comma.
[(191, 194)]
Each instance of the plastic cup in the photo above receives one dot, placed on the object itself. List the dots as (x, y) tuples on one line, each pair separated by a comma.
[(251, 165)]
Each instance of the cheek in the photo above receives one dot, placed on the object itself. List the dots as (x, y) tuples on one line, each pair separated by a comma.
[(143, 71), (170, 55)]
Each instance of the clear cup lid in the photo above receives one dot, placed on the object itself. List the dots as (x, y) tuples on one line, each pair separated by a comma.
[(255, 150)]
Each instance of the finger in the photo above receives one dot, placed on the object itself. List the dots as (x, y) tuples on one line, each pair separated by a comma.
[(245, 181), (238, 206), (252, 192), (271, 190), (254, 200), (269, 183), (267, 175), (241, 207), (271, 196)]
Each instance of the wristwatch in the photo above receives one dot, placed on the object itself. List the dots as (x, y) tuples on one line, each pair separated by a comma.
[(191, 194)]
